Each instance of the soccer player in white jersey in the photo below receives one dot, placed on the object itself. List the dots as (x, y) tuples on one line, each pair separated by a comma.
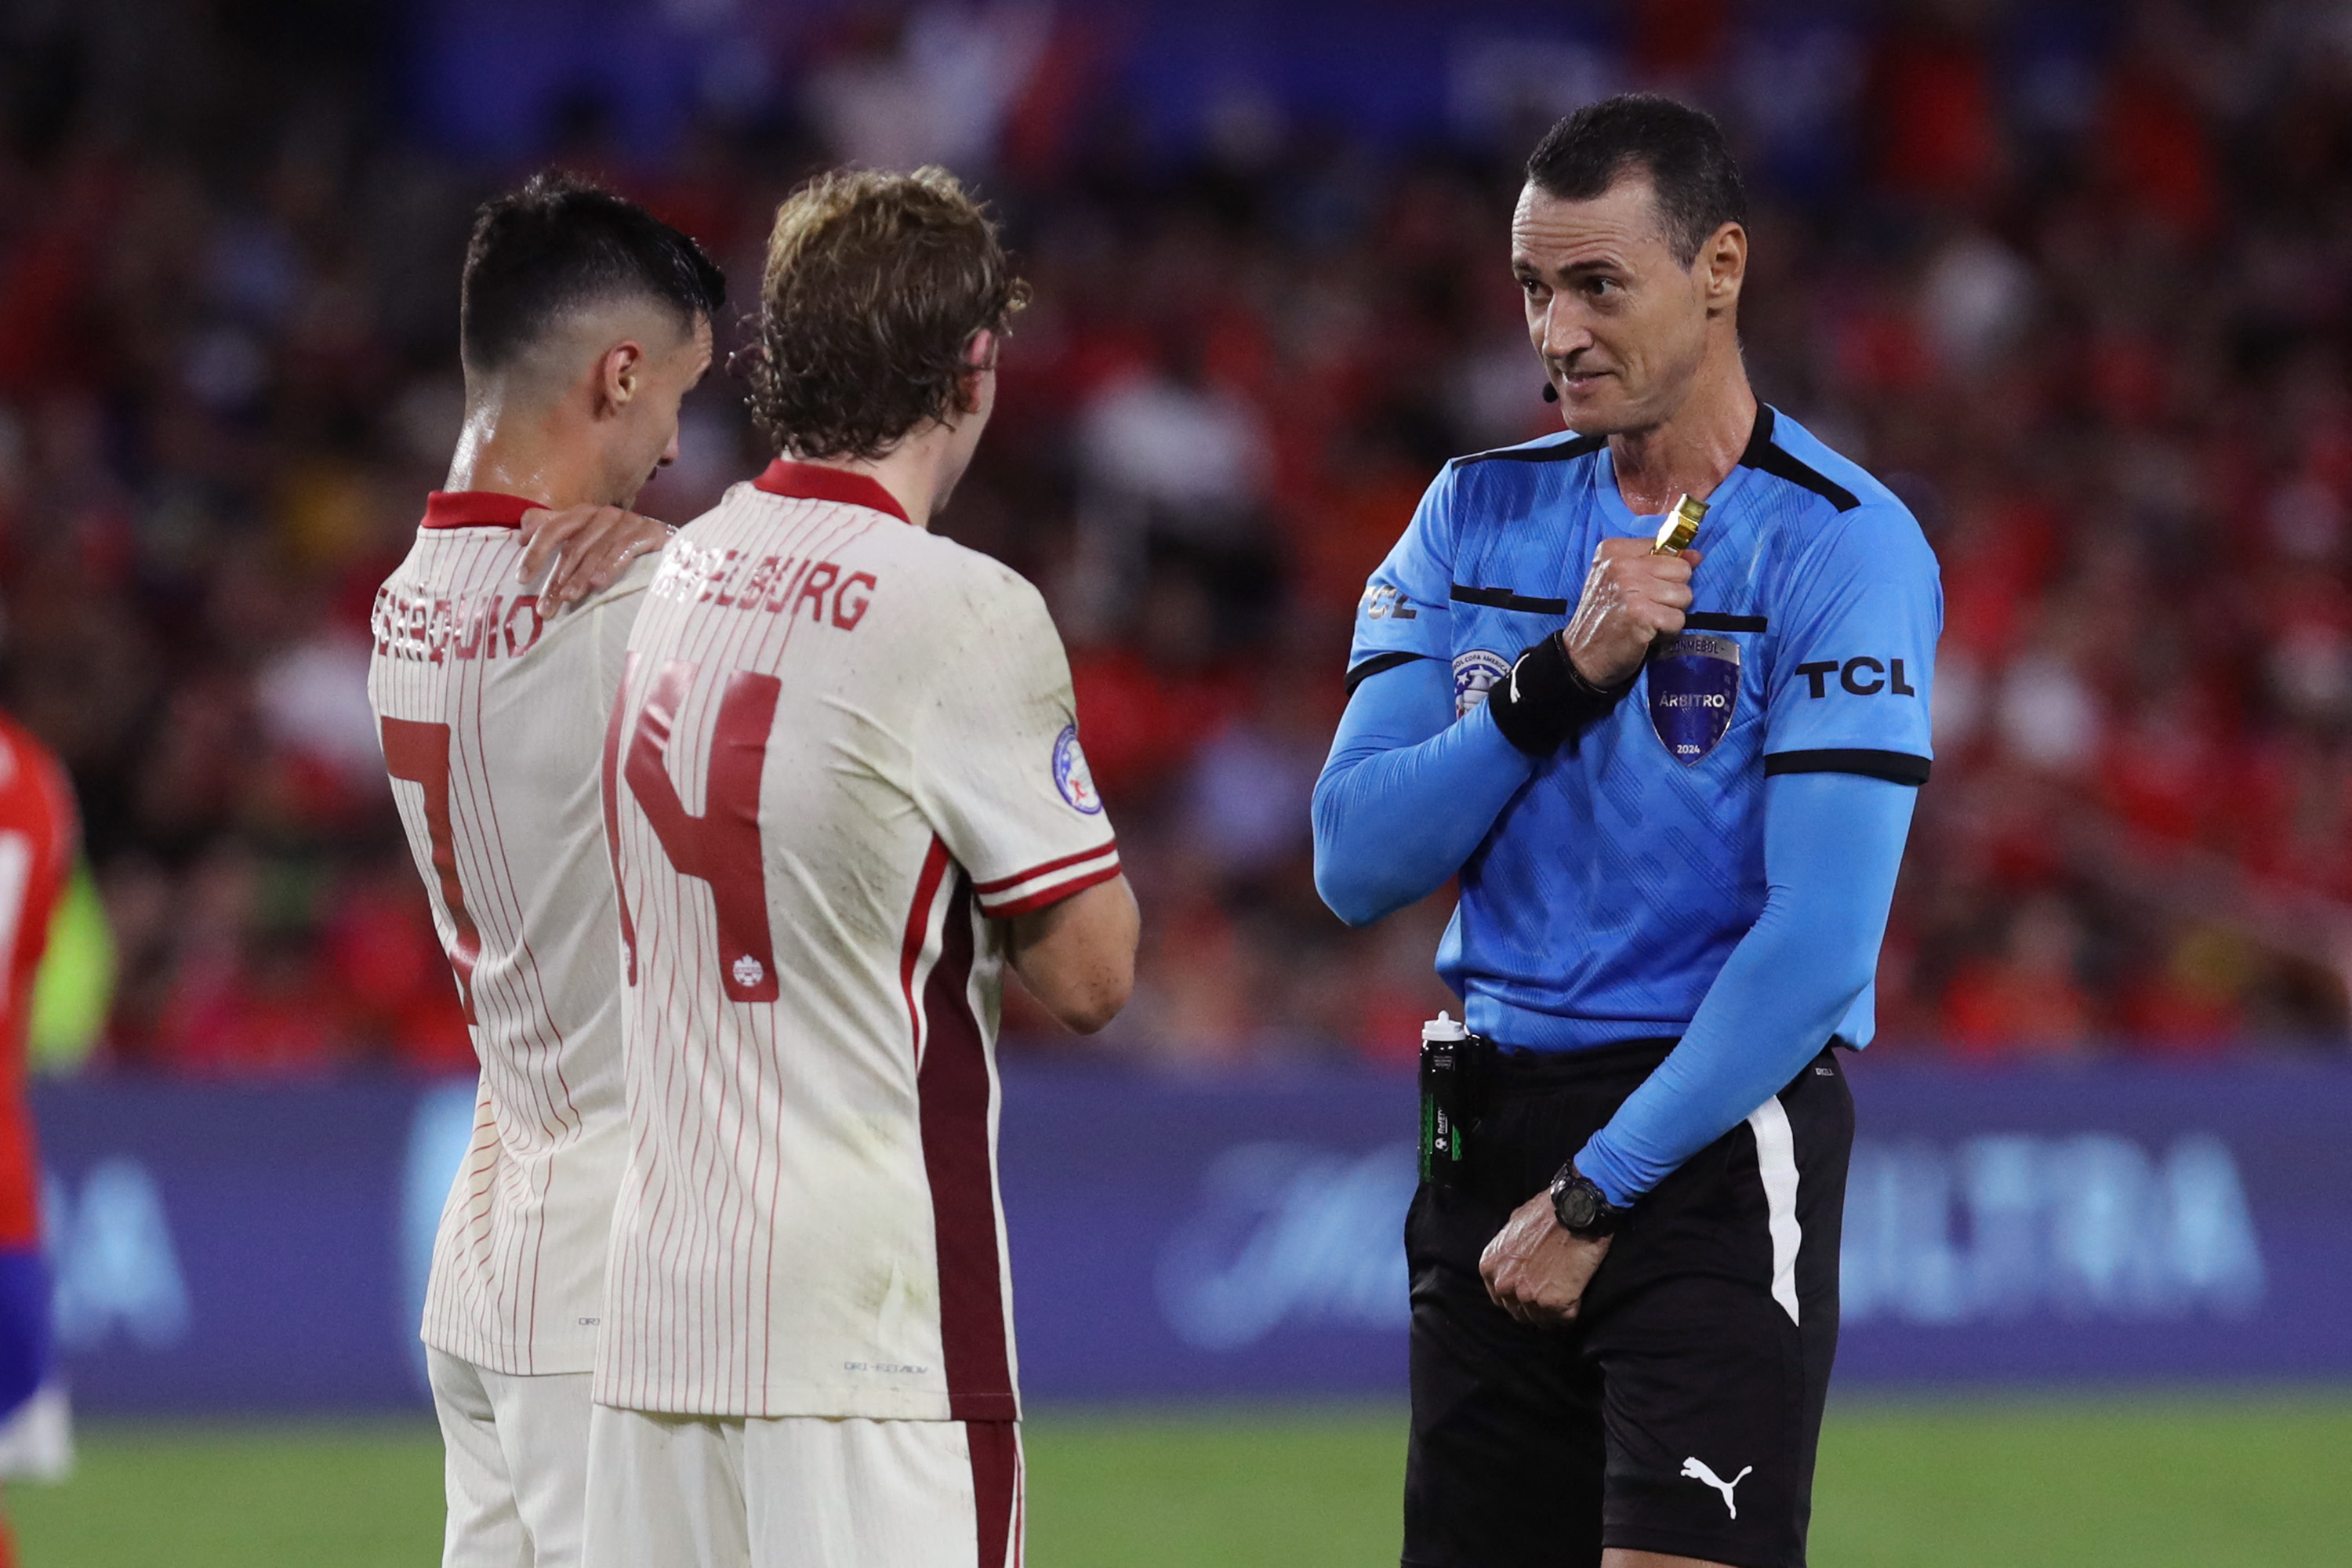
[(845, 788), (584, 322)]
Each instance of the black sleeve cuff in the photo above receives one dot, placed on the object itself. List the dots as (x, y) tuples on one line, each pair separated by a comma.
[(1544, 701), (1374, 665), (1895, 767)]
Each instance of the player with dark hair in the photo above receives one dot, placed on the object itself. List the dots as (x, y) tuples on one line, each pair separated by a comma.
[(844, 791), (544, 270), (1674, 785), (585, 321)]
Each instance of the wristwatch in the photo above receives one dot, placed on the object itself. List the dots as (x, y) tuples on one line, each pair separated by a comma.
[(1581, 1207)]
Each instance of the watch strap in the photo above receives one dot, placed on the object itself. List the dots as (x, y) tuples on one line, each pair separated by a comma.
[(1570, 1191)]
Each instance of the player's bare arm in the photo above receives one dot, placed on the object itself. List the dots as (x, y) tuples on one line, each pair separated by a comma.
[(1077, 956), (589, 546), (1632, 597)]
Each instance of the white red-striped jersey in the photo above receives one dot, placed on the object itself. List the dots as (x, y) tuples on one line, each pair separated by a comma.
[(843, 746), (493, 726)]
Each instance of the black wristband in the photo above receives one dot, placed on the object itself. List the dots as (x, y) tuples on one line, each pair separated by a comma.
[(1544, 700)]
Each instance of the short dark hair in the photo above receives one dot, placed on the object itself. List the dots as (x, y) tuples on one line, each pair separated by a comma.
[(559, 243), (876, 285), (1682, 150)]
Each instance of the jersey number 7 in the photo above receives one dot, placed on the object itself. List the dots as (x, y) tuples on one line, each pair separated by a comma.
[(419, 753), (721, 846)]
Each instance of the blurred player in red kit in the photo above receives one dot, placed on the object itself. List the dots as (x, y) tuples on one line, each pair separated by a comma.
[(38, 831)]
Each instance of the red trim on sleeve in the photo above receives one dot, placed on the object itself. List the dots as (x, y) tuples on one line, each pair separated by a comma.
[(476, 509), (1052, 895), (1033, 873), (814, 481)]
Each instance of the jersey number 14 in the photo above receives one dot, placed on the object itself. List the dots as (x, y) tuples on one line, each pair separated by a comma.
[(721, 846)]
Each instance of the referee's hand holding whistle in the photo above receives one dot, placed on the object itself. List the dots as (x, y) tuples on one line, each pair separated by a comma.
[(1536, 1271), (1631, 597)]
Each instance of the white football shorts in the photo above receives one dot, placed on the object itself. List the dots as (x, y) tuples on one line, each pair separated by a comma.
[(516, 1465), (700, 1492)]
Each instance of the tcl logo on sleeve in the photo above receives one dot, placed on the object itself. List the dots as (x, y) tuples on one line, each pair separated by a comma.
[(1862, 676), (1382, 603)]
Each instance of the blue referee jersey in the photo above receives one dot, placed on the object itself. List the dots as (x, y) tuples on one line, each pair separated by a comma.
[(1612, 888)]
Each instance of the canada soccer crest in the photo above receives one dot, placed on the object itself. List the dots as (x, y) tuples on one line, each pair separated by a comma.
[(1694, 689), (1071, 775)]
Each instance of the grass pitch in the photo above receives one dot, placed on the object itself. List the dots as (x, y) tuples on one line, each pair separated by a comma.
[(2174, 1482)]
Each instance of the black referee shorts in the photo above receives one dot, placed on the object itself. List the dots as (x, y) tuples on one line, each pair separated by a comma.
[(1680, 1412)]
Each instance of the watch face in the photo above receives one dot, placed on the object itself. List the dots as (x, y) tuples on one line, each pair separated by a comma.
[(1577, 1205)]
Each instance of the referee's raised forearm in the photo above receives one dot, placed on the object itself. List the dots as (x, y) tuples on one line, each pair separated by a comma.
[(1408, 792)]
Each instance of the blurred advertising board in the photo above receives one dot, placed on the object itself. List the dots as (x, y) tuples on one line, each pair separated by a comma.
[(222, 1248)]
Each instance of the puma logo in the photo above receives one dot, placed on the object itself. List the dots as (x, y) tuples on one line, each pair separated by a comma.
[(1697, 1470)]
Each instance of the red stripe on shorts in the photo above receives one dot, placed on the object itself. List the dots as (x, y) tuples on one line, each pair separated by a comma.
[(995, 1449)]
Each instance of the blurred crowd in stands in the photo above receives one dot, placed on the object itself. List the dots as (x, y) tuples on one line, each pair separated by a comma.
[(2082, 293)]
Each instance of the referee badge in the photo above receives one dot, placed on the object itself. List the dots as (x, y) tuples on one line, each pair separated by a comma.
[(1474, 674), (1693, 686)]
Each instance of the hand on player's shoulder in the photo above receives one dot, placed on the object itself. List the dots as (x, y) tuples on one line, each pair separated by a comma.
[(589, 548)]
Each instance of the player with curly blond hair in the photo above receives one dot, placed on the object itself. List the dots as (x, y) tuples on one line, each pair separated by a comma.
[(844, 790)]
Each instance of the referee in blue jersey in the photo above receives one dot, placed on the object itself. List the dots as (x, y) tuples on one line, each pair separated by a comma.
[(1674, 789)]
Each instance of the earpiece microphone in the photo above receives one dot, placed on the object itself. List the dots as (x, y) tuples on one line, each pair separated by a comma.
[(1551, 393)]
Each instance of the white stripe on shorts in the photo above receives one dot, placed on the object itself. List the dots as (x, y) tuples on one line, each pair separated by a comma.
[(1776, 1164)]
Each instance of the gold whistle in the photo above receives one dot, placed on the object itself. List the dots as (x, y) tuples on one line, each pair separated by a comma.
[(1674, 534)]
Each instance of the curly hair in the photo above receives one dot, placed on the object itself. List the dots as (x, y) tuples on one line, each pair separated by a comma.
[(876, 285)]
